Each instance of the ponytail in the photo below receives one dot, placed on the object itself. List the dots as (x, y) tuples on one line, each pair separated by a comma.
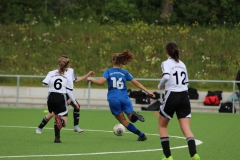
[(122, 58), (173, 50)]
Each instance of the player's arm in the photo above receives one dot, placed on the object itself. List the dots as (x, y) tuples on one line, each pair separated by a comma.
[(165, 75), (70, 94), (139, 85), (164, 79), (90, 73), (97, 81)]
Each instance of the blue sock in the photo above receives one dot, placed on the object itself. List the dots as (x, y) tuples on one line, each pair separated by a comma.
[(134, 130)]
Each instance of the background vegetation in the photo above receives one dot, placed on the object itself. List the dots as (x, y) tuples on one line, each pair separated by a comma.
[(161, 12), (34, 34)]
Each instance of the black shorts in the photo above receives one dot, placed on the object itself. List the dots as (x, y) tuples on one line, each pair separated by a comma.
[(57, 103), (176, 102)]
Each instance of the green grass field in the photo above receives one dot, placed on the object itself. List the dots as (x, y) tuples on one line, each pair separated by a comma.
[(219, 134)]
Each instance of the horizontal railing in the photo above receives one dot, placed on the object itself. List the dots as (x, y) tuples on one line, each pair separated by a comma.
[(139, 79)]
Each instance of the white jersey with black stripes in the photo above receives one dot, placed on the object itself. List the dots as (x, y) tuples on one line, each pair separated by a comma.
[(59, 83), (70, 74), (177, 79)]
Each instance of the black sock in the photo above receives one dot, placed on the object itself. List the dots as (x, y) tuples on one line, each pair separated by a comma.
[(76, 116), (43, 123), (191, 146), (166, 146), (57, 131), (76, 113)]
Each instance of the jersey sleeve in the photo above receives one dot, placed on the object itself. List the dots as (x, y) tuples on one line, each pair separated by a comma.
[(74, 77), (47, 79), (129, 77), (105, 74), (69, 85), (165, 69), (165, 75)]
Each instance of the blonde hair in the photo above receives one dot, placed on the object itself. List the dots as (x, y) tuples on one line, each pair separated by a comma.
[(122, 58), (63, 65)]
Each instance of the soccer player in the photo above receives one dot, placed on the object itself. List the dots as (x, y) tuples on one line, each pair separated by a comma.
[(59, 85), (117, 96), (176, 100), (76, 111)]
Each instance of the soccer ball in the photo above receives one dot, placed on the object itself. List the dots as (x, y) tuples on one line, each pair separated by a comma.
[(119, 129)]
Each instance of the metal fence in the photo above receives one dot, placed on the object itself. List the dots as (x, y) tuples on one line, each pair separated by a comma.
[(18, 77)]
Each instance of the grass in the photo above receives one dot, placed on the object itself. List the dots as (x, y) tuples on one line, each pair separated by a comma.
[(218, 132)]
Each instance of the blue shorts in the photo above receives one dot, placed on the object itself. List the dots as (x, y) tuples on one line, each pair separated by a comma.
[(120, 104)]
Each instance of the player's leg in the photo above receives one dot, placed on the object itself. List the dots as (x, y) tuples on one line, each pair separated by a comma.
[(162, 128), (120, 117), (133, 116), (166, 112), (76, 116), (124, 105), (136, 116), (185, 127), (60, 110), (184, 114), (44, 122)]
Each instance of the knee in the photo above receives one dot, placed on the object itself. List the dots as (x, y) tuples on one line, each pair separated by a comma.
[(49, 115)]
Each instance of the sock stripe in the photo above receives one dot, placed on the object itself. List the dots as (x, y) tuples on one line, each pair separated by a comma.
[(190, 138), (164, 139)]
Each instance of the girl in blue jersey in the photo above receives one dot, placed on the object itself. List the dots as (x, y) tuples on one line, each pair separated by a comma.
[(117, 96)]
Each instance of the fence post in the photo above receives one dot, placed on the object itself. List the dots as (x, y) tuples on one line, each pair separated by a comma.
[(18, 83), (89, 88), (233, 100)]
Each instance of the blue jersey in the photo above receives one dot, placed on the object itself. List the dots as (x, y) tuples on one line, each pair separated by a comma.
[(117, 78), (117, 90)]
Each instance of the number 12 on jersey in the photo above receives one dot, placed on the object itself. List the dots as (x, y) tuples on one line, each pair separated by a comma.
[(180, 77)]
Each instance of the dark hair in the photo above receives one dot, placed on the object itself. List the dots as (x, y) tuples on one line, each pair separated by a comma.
[(64, 56), (122, 58), (173, 50), (63, 65)]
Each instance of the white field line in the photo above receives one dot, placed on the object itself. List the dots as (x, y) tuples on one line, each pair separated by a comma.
[(198, 142)]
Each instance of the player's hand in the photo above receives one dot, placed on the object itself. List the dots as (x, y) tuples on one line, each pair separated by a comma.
[(152, 95), (77, 106), (91, 73)]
